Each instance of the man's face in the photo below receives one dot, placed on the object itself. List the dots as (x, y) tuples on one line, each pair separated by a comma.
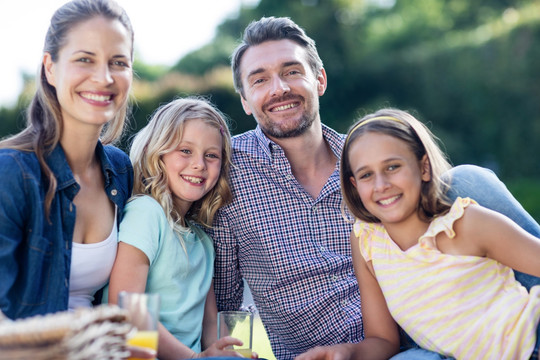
[(280, 89)]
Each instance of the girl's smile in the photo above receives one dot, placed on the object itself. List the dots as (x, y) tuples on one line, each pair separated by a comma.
[(387, 176), (194, 166)]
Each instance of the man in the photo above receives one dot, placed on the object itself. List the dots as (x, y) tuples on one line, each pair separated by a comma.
[(284, 232)]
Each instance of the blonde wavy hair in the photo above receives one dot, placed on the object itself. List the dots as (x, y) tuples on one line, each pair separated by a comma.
[(405, 127), (160, 136)]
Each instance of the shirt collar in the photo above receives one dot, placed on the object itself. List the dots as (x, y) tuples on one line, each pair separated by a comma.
[(59, 166), (332, 137)]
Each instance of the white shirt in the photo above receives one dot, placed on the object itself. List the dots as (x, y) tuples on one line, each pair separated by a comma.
[(91, 266)]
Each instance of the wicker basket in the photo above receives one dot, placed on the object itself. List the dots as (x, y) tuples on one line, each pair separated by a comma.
[(92, 333)]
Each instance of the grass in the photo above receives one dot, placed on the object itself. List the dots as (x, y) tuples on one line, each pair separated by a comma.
[(527, 192), (261, 344)]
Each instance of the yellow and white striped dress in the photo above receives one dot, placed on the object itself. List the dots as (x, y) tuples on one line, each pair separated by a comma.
[(467, 307)]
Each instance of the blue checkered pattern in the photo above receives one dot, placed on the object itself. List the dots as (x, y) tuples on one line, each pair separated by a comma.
[(292, 250)]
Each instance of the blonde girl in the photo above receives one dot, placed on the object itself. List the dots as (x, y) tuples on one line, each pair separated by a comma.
[(181, 162)]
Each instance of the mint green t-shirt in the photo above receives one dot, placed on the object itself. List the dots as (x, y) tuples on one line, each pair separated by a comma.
[(182, 279)]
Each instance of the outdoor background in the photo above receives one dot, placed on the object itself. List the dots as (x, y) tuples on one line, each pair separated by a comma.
[(467, 68)]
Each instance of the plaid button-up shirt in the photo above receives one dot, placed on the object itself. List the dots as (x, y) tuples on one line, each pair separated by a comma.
[(292, 250)]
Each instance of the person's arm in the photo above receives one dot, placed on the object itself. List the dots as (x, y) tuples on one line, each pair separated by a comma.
[(209, 334), (228, 282), (497, 237), (130, 273), (210, 344), (381, 339), (15, 209)]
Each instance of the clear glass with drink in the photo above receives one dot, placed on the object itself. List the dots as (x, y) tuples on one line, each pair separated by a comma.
[(238, 324), (143, 312)]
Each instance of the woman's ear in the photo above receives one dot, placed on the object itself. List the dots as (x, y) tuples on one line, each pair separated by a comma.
[(425, 168), (48, 68)]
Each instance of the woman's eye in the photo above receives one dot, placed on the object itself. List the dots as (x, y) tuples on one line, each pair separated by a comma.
[(120, 63), (84, 60)]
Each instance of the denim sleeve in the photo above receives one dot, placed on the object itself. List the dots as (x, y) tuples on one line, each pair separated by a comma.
[(12, 225), (228, 283)]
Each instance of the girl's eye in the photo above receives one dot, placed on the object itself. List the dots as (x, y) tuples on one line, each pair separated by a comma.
[(185, 151), (364, 176), (213, 156), (393, 167)]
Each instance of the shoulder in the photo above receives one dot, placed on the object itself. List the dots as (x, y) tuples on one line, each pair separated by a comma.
[(465, 228), (19, 164), (17, 158), (142, 211), (145, 204), (334, 139), (117, 157), (248, 150), (245, 142)]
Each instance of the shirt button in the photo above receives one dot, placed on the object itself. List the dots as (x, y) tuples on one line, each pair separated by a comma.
[(344, 303), (322, 248), (314, 208), (334, 277), (114, 192)]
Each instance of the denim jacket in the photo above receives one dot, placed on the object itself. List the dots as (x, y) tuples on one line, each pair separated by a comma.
[(35, 252)]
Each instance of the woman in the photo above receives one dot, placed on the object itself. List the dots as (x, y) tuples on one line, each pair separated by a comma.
[(64, 188)]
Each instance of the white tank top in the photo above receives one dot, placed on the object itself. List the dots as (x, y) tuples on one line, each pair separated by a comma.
[(91, 266)]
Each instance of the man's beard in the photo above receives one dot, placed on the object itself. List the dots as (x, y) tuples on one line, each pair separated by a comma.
[(274, 130)]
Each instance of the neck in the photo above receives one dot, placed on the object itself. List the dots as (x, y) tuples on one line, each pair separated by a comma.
[(80, 151), (311, 158), (406, 233)]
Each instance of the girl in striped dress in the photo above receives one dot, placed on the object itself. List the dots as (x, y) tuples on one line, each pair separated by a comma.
[(442, 271)]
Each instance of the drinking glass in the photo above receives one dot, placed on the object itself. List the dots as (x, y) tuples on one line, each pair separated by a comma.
[(143, 312), (238, 324)]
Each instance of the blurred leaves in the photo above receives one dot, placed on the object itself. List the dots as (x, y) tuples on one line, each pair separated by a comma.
[(468, 68)]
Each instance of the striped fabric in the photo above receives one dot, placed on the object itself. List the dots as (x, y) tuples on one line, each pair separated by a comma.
[(467, 307)]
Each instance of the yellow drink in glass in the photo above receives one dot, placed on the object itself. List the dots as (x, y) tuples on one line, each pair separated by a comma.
[(147, 339), (244, 352)]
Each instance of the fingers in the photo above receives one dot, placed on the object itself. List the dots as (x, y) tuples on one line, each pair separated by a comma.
[(227, 341), (141, 352)]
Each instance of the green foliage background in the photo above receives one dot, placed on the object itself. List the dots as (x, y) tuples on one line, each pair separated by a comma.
[(468, 68)]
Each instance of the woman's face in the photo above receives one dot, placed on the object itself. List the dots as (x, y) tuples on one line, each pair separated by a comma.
[(93, 73)]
